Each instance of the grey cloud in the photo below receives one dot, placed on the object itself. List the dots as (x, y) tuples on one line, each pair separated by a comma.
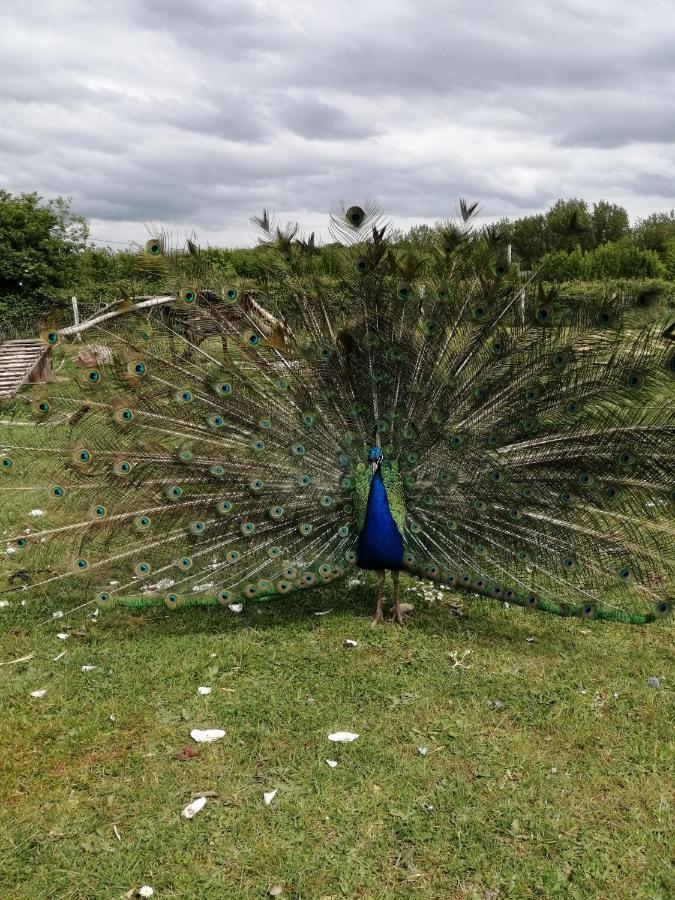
[(198, 114)]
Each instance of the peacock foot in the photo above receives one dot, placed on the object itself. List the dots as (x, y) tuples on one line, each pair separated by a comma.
[(378, 617), (401, 613)]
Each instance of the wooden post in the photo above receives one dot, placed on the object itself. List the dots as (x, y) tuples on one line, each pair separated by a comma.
[(76, 316)]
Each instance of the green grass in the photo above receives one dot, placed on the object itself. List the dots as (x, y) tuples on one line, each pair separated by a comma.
[(565, 791)]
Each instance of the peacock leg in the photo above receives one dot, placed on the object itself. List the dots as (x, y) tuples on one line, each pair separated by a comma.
[(378, 616), (398, 615)]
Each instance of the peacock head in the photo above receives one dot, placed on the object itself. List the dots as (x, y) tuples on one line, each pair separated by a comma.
[(375, 457)]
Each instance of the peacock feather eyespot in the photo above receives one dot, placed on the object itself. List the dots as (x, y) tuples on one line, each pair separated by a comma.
[(480, 505), (188, 295), (308, 419), (523, 556), (80, 564), (56, 491), (663, 609), (430, 328), (565, 497), (543, 314), (532, 393), (51, 336), (217, 471), (529, 425), (276, 513), (215, 421), (347, 483), (171, 601), (572, 407), (452, 525), (304, 480), (527, 492), (173, 492), (479, 312), (403, 292), (361, 265), (344, 459), (141, 523), (569, 564), (531, 601), (412, 458), (324, 353), (185, 563), (137, 368), (224, 598), (492, 440), (515, 514), (496, 590), (258, 445), (232, 556), (509, 594), (142, 569), (222, 388), (155, 246), (21, 542), (561, 359), (252, 338), (588, 610), (98, 512), (183, 396), (480, 549), (223, 507), (274, 552), (298, 449), (497, 476), (343, 531), (497, 346), (355, 216), (230, 294), (465, 579), (326, 501), (480, 392), (605, 317), (586, 479), (305, 528), (479, 585), (612, 491), (103, 599), (501, 268), (409, 560), (42, 407), (456, 440), (247, 529), (6, 463), (282, 384), (626, 575), (197, 528), (627, 459), (635, 380)]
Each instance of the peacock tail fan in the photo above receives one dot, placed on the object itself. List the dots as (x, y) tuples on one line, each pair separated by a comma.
[(220, 453)]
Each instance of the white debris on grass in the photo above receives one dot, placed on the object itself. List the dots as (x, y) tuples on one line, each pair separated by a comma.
[(36, 513), (4, 603), (38, 694), (235, 607), (323, 612), (63, 635), (350, 643), (332, 763), (11, 550), (203, 690), (268, 796), (145, 891), (206, 735), (58, 656), (422, 751), (193, 808), (58, 614), (354, 582), (88, 668), (342, 737)]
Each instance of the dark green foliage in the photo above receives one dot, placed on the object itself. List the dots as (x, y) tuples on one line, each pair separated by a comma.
[(39, 248)]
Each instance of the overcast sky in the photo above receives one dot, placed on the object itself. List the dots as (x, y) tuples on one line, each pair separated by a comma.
[(198, 113)]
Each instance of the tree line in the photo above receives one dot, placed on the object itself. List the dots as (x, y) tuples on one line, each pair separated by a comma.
[(46, 255)]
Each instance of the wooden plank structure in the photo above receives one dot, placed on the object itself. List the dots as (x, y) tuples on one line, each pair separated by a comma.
[(23, 361)]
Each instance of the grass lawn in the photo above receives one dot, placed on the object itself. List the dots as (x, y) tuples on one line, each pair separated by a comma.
[(565, 790)]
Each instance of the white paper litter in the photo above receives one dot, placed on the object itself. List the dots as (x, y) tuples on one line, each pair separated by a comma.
[(63, 635), (145, 891), (205, 736), (88, 668), (203, 690), (4, 603), (323, 612), (332, 763), (58, 656), (342, 737), (268, 796), (36, 513), (350, 643), (193, 808), (235, 607), (422, 751), (11, 550), (39, 693), (57, 615)]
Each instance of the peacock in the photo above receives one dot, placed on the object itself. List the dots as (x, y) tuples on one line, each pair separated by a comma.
[(366, 405)]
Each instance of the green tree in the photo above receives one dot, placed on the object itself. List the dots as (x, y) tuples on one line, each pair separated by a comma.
[(529, 239), (569, 225), (610, 222), (40, 244), (655, 232)]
